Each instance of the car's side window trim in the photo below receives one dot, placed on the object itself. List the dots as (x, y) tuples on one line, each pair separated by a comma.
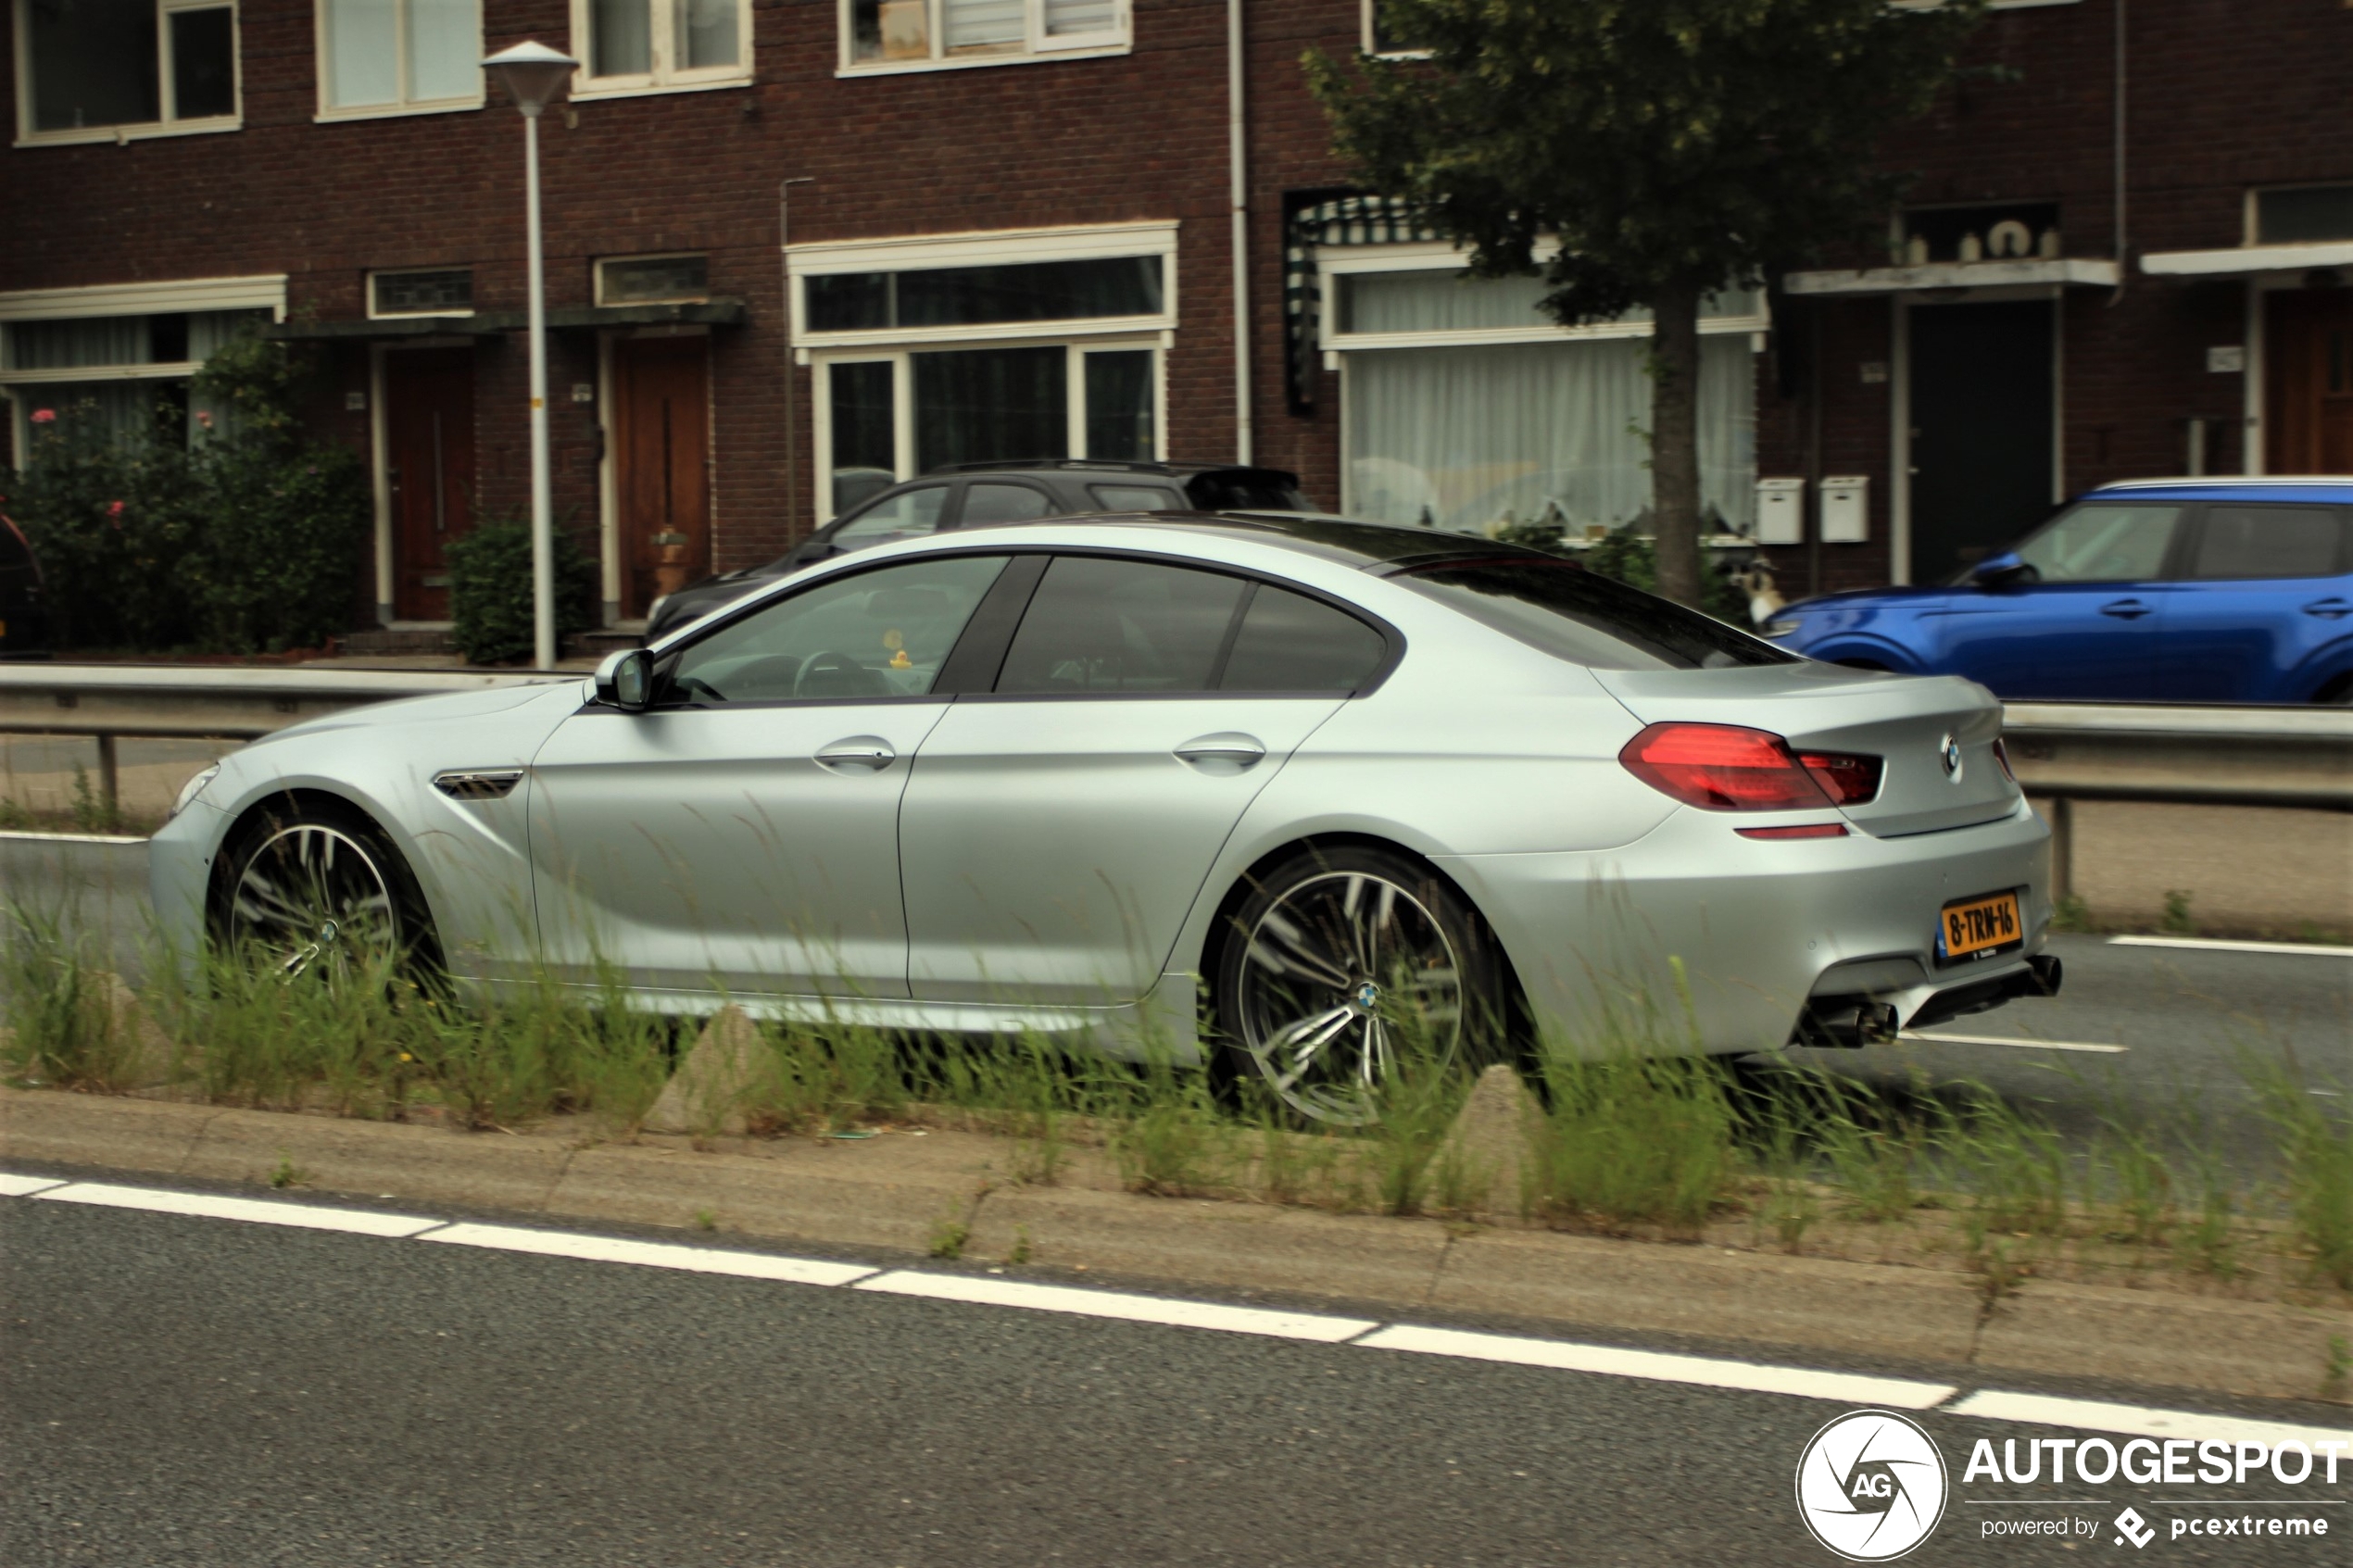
[(971, 666), (1392, 641), (2193, 543)]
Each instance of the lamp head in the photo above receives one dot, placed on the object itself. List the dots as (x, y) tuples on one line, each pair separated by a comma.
[(533, 75)]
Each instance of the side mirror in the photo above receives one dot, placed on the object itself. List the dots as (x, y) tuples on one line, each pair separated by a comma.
[(625, 680), (2005, 570)]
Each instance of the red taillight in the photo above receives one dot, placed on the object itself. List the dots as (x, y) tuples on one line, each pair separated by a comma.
[(1804, 830), (2002, 755), (1848, 780), (1722, 768)]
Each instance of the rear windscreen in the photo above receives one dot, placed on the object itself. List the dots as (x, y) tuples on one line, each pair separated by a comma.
[(1573, 614), (1240, 490)]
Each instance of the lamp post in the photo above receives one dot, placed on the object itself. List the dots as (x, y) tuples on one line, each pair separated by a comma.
[(533, 74)]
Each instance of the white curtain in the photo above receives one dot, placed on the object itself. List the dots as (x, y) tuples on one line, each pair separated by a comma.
[(706, 33), (1066, 18), (982, 24), (445, 49), (363, 54), (120, 407), (1471, 439)]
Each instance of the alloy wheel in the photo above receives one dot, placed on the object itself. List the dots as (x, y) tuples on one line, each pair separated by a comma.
[(313, 898), (1340, 975)]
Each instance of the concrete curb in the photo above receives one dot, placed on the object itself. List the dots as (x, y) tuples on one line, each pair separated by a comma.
[(914, 1194)]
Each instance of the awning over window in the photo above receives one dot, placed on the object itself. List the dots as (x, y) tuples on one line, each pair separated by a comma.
[(490, 323), (2242, 261), (1938, 276), (1314, 219)]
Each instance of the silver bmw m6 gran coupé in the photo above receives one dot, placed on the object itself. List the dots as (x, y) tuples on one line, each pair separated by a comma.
[(1263, 787)]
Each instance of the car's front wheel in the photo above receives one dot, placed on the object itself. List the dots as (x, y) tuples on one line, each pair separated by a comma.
[(314, 887), (1343, 969)]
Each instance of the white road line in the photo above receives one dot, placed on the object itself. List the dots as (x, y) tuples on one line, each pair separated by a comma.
[(2089, 1045), (211, 1206), (2217, 945), (651, 1254), (1608, 1361), (987, 1292), (2138, 1421), (25, 1186), (27, 836)]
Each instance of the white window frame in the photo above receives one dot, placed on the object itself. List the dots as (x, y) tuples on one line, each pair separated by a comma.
[(1109, 242), (403, 104), (665, 77), (605, 261), (1371, 43), (1442, 255), (377, 314), (263, 293), (1037, 45), (902, 390), (170, 125)]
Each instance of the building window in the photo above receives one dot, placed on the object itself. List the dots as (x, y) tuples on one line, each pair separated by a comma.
[(1382, 34), (445, 291), (641, 46), (653, 280), (93, 70), (125, 373), (378, 57), (2304, 215), (968, 297), (919, 32), (1463, 408)]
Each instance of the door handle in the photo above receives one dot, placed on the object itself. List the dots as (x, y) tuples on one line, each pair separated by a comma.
[(858, 754), (2330, 609), (2126, 610), (1220, 753)]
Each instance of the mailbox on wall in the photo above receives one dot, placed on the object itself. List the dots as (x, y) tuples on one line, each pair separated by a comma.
[(1846, 508), (1780, 511)]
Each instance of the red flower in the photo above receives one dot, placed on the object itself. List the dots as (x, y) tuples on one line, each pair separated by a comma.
[(114, 509), (44, 415)]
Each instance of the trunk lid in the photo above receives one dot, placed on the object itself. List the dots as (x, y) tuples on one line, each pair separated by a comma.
[(1905, 721)]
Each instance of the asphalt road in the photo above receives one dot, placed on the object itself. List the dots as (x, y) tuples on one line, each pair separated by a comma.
[(196, 1392)]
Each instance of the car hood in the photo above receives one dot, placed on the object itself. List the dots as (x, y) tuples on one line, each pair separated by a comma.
[(565, 695), (1918, 597)]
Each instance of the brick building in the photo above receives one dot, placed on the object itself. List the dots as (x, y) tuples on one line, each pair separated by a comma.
[(798, 248)]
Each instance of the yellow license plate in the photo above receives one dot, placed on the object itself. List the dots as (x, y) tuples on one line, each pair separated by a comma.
[(1971, 928)]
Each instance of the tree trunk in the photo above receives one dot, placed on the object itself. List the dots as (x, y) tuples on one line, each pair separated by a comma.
[(1675, 441)]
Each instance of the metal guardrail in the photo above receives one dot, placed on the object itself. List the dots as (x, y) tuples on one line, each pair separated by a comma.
[(161, 701), (2062, 752)]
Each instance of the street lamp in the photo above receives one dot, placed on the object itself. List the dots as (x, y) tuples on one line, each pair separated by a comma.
[(533, 74)]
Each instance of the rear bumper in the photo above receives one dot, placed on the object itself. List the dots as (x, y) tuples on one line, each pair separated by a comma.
[(1694, 940)]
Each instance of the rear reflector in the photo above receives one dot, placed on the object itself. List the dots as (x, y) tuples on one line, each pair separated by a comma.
[(1723, 767), (1810, 829)]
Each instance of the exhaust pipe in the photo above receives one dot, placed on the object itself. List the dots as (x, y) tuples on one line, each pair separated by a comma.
[(1845, 1023), (1852, 1023)]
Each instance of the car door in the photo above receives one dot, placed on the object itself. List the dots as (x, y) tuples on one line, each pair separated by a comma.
[(743, 833), (2266, 588), (1056, 831), (2080, 621)]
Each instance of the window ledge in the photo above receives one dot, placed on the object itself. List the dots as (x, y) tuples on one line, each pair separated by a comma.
[(580, 95), (976, 62), (396, 112), (992, 332), (120, 134)]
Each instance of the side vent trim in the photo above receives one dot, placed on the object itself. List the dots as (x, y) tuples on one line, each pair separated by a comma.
[(478, 784)]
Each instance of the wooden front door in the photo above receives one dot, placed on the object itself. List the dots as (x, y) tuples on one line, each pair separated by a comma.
[(429, 458), (661, 401), (2307, 353)]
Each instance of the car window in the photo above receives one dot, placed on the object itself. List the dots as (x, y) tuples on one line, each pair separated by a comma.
[(1003, 503), (2102, 543), (2271, 542), (1290, 643), (869, 635), (1137, 498), (1244, 490), (1584, 618), (894, 517), (1100, 624)]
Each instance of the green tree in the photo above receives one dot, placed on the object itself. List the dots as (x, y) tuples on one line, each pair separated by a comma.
[(1670, 147)]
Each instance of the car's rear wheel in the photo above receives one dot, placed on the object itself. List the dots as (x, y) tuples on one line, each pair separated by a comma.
[(315, 888), (1342, 968)]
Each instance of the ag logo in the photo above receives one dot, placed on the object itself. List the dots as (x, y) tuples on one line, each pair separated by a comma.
[(1870, 1485), (2130, 1526)]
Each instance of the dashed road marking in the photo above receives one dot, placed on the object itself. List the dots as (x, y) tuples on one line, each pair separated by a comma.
[(1609, 1360), (1173, 1312), (650, 1254), (2022, 1043), (2219, 945)]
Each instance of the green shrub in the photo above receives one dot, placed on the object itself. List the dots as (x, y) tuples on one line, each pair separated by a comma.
[(490, 590), (242, 534)]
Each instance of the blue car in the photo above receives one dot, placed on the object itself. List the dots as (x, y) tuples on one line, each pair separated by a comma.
[(2171, 590)]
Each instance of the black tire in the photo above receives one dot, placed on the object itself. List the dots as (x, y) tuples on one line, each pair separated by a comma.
[(1343, 959), (312, 885)]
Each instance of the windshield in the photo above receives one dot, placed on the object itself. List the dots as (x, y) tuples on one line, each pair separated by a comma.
[(1560, 607)]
